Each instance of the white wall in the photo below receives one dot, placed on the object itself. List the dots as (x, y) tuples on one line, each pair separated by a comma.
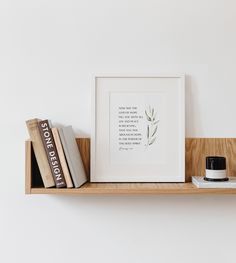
[(48, 51)]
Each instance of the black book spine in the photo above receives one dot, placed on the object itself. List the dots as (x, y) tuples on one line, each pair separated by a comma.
[(52, 154)]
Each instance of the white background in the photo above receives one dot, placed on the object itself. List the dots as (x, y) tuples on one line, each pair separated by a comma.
[(48, 51)]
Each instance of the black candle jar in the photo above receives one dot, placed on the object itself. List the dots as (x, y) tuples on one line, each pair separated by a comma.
[(216, 169)]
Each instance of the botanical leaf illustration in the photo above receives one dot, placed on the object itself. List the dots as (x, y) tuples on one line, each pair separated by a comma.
[(155, 122), (154, 131), (152, 141), (154, 117), (148, 117), (152, 125)]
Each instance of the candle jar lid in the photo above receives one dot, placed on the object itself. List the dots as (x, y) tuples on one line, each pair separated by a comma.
[(215, 163)]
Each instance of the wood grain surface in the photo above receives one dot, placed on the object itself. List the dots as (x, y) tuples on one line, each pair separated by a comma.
[(132, 188), (28, 167), (198, 148), (84, 148), (196, 151)]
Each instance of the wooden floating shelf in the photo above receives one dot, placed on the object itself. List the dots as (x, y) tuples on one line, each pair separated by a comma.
[(196, 151), (132, 188)]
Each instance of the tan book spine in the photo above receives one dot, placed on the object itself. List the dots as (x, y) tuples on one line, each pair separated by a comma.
[(40, 153), (62, 157)]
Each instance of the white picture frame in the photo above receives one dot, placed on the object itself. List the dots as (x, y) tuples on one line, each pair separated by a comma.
[(138, 128)]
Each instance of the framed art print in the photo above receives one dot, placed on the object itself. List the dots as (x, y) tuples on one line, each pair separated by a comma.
[(138, 132)]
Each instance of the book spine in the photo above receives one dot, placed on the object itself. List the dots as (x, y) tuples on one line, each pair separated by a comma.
[(62, 157), (73, 156), (52, 154), (40, 153)]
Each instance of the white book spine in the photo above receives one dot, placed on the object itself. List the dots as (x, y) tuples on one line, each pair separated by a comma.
[(73, 156)]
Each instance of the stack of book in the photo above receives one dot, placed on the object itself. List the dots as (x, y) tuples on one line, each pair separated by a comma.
[(57, 154)]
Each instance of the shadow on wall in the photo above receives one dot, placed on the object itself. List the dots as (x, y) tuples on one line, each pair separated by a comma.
[(191, 106), (150, 204)]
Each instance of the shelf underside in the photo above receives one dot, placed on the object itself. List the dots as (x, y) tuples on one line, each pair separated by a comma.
[(132, 188)]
